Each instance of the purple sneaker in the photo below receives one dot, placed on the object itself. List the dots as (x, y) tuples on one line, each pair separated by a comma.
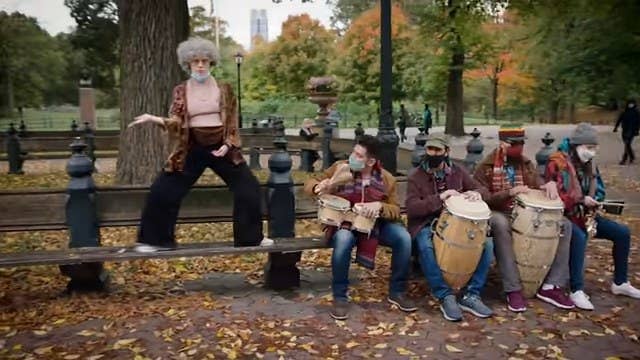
[(556, 297), (516, 301)]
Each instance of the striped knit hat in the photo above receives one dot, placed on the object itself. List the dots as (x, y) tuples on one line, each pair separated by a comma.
[(511, 133)]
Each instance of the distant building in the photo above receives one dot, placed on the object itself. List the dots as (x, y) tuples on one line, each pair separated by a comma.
[(259, 25)]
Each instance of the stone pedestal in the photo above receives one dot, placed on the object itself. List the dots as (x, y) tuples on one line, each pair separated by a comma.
[(87, 105)]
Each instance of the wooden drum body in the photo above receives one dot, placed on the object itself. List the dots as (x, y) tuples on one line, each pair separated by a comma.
[(458, 239), (535, 229), (333, 210)]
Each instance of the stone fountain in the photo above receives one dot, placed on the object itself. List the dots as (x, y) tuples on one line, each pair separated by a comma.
[(322, 92)]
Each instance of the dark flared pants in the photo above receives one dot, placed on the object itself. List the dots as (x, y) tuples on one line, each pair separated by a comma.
[(157, 226)]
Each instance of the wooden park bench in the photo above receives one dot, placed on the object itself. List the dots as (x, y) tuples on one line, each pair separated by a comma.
[(82, 209)]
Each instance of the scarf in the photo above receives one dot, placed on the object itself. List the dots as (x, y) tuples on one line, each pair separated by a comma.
[(505, 176)]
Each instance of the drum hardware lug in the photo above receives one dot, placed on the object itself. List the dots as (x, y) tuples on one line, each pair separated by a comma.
[(471, 234)]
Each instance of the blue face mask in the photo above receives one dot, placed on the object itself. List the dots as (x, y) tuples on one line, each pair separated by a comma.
[(355, 164), (200, 78)]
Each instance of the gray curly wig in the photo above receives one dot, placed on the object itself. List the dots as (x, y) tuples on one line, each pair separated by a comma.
[(195, 47)]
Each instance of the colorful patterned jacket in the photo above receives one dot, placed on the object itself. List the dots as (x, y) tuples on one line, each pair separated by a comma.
[(179, 135), (575, 181)]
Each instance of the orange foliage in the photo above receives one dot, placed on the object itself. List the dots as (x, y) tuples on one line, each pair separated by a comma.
[(505, 66), (365, 31)]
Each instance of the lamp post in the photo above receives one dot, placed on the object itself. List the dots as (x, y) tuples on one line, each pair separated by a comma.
[(386, 133), (239, 59)]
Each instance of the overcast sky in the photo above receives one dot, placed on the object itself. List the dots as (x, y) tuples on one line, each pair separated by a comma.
[(54, 16)]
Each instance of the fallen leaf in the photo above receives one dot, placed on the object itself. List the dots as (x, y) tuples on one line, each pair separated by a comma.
[(86, 333), (451, 348), (43, 350), (123, 343), (548, 336), (381, 346), (352, 344), (404, 352)]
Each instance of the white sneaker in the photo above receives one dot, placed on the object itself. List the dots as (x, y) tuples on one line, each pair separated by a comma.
[(581, 300), (146, 248), (625, 289), (266, 242)]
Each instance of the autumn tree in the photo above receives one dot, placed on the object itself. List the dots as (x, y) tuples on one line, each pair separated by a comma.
[(303, 49), (456, 24), (357, 63), (30, 63)]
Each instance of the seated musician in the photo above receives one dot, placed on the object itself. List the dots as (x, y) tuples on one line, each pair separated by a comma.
[(581, 189), (373, 190), (506, 172), (435, 180)]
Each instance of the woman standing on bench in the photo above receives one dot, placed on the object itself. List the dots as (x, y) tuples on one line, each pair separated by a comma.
[(203, 124)]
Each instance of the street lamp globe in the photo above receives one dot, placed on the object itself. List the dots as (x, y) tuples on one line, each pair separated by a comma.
[(239, 57)]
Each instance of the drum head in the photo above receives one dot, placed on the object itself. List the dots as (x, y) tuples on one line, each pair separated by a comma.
[(539, 199), (334, 202), (473, 210)]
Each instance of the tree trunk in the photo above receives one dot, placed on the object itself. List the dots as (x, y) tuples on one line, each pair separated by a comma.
[(572, 113), (553, 111), (7, 102), (150, 31), (455, 112)]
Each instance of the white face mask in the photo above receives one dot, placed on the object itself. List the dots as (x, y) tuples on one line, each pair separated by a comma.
[(585, 154), (200, 78)]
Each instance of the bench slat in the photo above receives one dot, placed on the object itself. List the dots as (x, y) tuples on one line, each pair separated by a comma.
[(120, 253)]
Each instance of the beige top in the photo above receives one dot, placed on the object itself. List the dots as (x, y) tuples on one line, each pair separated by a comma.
[(204, 103)]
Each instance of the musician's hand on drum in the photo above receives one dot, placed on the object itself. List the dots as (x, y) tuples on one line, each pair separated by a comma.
[(590, 202), (448, 193), (551, 189), (370, 209), (472, 196), (520, 189), (323, 187)]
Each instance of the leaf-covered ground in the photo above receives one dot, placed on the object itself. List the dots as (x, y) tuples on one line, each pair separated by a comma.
[(216, 308)]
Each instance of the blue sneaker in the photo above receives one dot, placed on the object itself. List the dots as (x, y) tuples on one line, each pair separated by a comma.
[(450, 308), (474, 305)]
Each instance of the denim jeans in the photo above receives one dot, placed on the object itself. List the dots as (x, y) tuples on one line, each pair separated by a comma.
[(393, 235), (606, 229), (433, 273)]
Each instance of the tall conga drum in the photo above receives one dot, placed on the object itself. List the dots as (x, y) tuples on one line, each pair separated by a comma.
[(536, 223), (458, 239)]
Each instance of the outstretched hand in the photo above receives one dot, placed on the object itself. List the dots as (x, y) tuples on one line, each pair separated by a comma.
[(145, 118)]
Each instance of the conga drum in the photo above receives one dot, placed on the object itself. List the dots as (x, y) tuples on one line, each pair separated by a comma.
[(458, 238), (536, 223), (333, 210)]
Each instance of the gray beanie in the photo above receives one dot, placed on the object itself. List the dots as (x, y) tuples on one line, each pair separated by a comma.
[(584, 133)]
